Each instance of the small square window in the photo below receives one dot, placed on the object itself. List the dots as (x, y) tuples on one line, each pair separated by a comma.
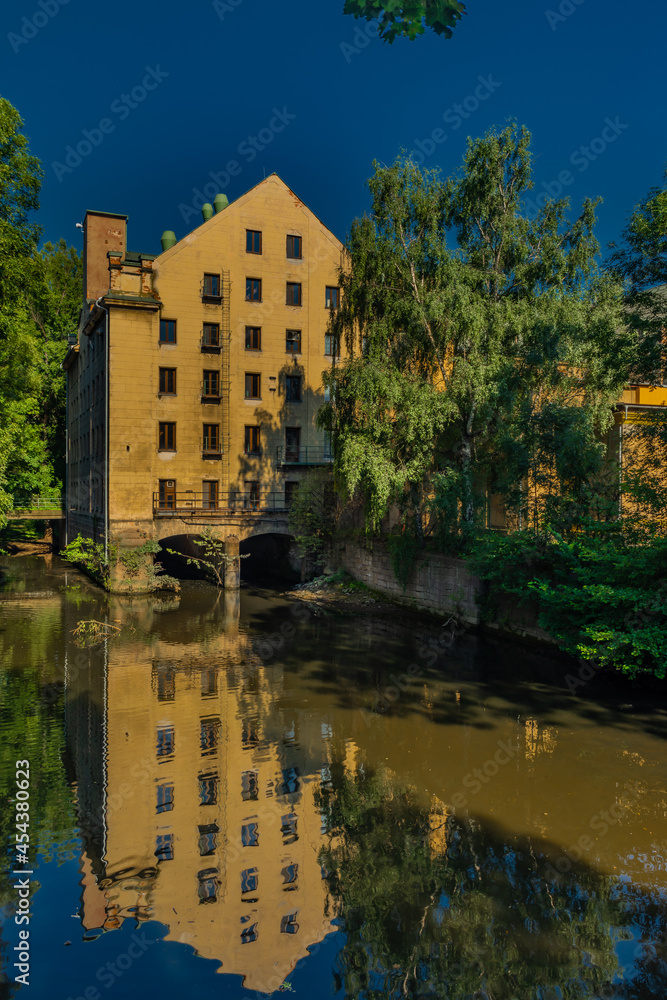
[(294, 247), (208, 840), (211, 383), (209, 735), (165, 798), (167, 331), (249, 934), (208, 789), (293, 341), (293, 388), (250, 835), (253, 241), (290, 874), (209, 884), (288, 924), (252, 446), (249, 880), (164, 847), (166, 684), (331, 348), (167, 437), (249, 785), (165, 741), (211, 438), (293, 295), (252, 386), (211, 335), (253, 289), (211, 286), (332, 297), (253, 338), (209, 682), (168, 381)]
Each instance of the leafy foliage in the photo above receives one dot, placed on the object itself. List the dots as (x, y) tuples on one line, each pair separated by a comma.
[(602, 595), (314, 513), (408, 18), (484, 347)]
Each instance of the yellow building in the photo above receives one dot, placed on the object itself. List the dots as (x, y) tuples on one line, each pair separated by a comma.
[(195, 382)]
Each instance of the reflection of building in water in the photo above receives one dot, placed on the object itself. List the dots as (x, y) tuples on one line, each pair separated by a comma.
[(539, 739), (211, 825)]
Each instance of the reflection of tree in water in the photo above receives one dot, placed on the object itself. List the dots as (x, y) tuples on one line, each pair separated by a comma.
[(433, 906)]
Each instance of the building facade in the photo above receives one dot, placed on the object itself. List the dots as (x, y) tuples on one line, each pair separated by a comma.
[(195, 382)]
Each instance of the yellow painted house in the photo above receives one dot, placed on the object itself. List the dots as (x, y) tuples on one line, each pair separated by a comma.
[(195, 380)]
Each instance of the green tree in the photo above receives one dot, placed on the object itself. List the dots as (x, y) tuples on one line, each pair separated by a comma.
[(408, 19), (463, 317)]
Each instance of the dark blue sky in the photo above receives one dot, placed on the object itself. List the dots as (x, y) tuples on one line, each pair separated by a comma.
[(221, 71)]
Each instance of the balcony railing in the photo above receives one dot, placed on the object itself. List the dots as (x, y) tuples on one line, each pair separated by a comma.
[(304, 455), (210, 345), (191, 504), (210, 392)]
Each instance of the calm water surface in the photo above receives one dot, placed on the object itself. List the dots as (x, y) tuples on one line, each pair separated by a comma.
[(233, 798)]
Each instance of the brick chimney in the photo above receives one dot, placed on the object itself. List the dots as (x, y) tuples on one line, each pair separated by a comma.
[(102, 231)]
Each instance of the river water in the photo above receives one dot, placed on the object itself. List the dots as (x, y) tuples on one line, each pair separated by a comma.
[(239, 796)]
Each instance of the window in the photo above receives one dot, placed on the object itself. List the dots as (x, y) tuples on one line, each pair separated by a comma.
[(253, 338), (208, 839), (209, 735), (211, 335), (167, 494), (208, 789), (165, 741), (294, 247), (209, 494), (252, 493), (211, 286), (166, 684), (293, 388), (250, 835), (211, 383), (252, 386), (293, 341), (290, 874), (209, 682), (332, 297), (252, 441), (290, 782), (249, 735), (249, 785), (211, 439), (292, 443), (291, 486), (288, 924), (167, 437), (167, 331), (288, 828), (249, 934), (165, 798), (293, 297), (331, 347), (253, 241), (253, 289), (168, 381), (249, 880), (164, 847), (208, 885)]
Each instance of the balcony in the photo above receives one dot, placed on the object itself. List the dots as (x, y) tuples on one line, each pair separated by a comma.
[(304, 455), (236, 502)]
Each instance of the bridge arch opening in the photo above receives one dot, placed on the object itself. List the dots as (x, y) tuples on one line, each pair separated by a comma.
[(272, 558)]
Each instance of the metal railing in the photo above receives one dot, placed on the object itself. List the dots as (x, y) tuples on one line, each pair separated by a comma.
[(190, 504), (34, 506), (304, 455)]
